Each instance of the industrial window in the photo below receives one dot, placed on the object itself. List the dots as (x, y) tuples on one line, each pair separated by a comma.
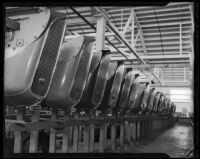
[(180, 95)]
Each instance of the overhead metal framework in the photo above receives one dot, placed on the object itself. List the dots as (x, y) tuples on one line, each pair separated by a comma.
[(156, 36)]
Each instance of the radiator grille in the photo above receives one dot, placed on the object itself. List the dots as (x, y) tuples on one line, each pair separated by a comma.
[(101, 81), (81, 74), (48, 58), (115, 89), (125, 93)]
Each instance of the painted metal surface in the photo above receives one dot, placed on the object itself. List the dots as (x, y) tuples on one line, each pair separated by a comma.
[(133, 93), (68, 71), (86, 100), (22, 60), (102, 77), (129, 79), (116, 85), (140, 93), (104, 106)]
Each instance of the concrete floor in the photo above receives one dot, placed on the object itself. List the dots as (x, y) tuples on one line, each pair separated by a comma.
[(175, 142)]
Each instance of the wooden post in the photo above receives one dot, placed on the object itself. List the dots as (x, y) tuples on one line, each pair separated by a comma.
[(92, 127), (66, 135), (131, 125), (71, 132), (113, 137), (141, 129), (75, 135), (18, 134), (122, 137), (128, 137), (147, 127), (80, 133), (150, 126), (105, 138), (133, 132), (34, 134), (86, 138), (138, 130), (52, 140), (101, 138), (145, 134)]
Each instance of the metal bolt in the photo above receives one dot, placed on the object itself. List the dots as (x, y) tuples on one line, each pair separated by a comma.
[(19, 42)]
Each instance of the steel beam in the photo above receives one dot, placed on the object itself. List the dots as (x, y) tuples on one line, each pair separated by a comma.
[(128, 23), (94, 28), (180, 29), (140, 32), (114, 29), (155, 57), (121, 38), (158, 63), (163, 66), (149, 11), (100, 36), (192, 33), (192, 16), (132, 32)]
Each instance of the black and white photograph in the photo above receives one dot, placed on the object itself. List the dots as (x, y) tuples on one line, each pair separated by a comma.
[(100, 80)]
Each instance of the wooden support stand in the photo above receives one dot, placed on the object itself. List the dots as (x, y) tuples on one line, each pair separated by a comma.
[(138, 130), (80, 133), (146, 128), (66, 136), (52, 143), (133, 131), (128, 135), (105, 138), (132, 128), (92, 127), (75, 134), (18, 134), (122, 137), (34, 134), (101, 138), (113, 137), (86, 138)]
